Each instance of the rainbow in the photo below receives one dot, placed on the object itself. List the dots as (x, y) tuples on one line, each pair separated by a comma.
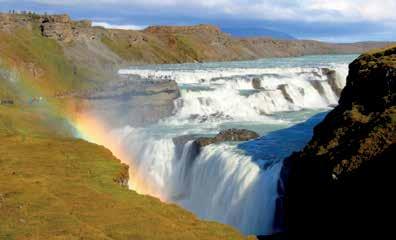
[(83, 125), (90, 128)]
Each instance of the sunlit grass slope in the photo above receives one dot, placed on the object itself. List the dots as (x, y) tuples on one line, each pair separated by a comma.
[(53, 186), (40, 62)]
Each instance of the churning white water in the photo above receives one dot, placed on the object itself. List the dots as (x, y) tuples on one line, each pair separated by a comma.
[(234, 183)]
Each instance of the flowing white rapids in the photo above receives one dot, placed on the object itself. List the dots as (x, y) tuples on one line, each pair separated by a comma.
[(232, 183)]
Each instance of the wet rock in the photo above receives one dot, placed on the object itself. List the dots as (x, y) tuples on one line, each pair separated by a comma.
[(318, 86), (256, 82), (229, 135), (182, 140), (332, 80), (283, 89)]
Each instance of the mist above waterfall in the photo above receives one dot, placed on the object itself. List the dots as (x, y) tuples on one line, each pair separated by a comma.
[(233, 183)]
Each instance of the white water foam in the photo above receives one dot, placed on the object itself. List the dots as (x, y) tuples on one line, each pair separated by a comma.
[(231, 94), (223, 182)]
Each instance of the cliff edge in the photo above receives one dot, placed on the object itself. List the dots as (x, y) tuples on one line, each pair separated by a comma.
[(342, 181)]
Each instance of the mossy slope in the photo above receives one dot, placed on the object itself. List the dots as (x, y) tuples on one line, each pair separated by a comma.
[(53, 186)]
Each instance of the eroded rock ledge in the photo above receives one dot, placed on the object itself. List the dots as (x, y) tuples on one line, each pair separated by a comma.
[(229, 135)]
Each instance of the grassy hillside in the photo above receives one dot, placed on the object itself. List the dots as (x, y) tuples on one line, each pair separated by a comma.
[(39, 62), (53, 186)]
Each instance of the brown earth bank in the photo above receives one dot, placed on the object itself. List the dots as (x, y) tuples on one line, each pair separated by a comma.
[(105, 50), (342, 183)]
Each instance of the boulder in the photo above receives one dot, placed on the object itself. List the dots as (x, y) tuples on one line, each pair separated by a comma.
[(256, 83), (332, 80), (283, 89), (229, 135)]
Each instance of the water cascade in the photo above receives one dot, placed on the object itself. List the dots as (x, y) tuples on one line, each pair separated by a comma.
[(233, 183)]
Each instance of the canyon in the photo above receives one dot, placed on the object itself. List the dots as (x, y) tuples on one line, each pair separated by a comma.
[(54, 69)]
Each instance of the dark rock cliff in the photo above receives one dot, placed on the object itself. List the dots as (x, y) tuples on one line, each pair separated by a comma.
[(341, 183)]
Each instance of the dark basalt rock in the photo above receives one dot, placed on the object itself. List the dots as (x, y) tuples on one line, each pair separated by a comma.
[(229, 135), (256, 83), (332, 80), (283, 89), (342, 183)]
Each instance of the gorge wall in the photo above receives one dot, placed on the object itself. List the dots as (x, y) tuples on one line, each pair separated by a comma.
[(342, 181)]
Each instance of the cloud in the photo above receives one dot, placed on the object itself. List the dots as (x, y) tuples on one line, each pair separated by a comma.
[(307, 10), (317, 19), (115, 26)]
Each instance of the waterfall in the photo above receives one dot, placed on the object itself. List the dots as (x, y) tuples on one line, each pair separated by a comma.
[(233, 183)]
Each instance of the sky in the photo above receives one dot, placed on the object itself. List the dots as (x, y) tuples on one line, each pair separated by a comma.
[(326, 20)]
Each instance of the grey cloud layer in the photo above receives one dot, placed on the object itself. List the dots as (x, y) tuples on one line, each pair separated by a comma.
[(320, 19)]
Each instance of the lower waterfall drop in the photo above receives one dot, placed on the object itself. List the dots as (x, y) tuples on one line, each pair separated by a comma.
[(233, 183)]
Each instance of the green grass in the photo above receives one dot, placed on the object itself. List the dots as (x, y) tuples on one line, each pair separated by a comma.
[(122, 48), (186, 47), (40, 62), (156, 49), (385, 56), (55, 187)]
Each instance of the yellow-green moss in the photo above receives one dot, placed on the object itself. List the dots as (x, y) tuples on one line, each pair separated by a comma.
[(55, 187), (40, 61)]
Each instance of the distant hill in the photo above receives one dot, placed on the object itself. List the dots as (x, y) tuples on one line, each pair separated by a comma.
[(258, 32), (104, 51)]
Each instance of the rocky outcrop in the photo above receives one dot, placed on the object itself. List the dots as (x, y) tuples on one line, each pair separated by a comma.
[(123, 176), (129, 102), (285, 93), (256, 83), (229, 135), (57, 27), (11, 22), (341, 183), (332, 80), (61, 27)]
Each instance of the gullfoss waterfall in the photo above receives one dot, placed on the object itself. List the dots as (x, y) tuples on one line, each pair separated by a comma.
[(230, 182)]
